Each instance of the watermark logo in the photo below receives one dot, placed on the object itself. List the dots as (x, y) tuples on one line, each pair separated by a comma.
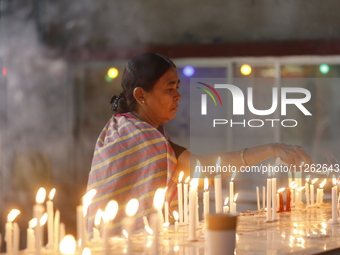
[(204, 97)]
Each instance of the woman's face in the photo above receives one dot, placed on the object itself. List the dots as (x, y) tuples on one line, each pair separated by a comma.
[(161, 103)]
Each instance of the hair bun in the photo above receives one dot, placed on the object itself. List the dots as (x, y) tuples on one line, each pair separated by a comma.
[(114, 101)]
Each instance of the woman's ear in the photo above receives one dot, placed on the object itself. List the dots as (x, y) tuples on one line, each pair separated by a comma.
[(139, 95)]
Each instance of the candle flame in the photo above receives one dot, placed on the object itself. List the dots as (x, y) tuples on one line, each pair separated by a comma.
[(176, 216), (180, 176), (233, 176), (291, 185), (146, 222), (68, 245), (43, 219), (166, 224), (187, 179), (12, 215), (132, 207), (86, 251), (32, 223), (308, 178), (111, 209), (51, 194), (281, 190), (87, 198), (206, 183), (125, 233), (176, 248), (315, 180), (41, 195), (235, 197), (158, 199), (226, 200), (149, 230), (301, 188), (218, 162), (98, 217), (194, 183), (334, 180), (322, 184)]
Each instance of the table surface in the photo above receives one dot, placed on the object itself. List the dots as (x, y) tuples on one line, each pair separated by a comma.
[(301, 231)]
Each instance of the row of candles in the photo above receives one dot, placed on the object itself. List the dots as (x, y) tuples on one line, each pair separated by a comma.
[(187, 214)]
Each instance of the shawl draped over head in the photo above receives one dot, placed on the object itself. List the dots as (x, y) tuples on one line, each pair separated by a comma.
[(132, 159)]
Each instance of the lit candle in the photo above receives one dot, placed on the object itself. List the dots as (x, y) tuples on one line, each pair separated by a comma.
[(226, 207), (30, 235), (218, 188), (180, 196), (38, 210), (269, 200), (186, 190), (175, 213), (128, 222), (95, 230), (62, 230), (307, 191), (193, 206), (56, 231), (258, 199), (9, 230), (16, 238), (234, 204), (263, 197), (281, 207), (158, 202), (321, 194), (68, 245), (300, 193), (334, 219), (311, 188), (206, 197), (292, 189), (50, 214), (110, 213), (86, 201), (274, 201), (231, 193)]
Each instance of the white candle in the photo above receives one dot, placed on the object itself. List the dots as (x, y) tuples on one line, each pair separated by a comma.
[(38, 211), (62, 230), (218, 189), (231, 196), (16, 238), (258, 199), (234, 204), (334, 219), (128, 222), (206, 197), (30, 235), (9, 235), (269, 193), (321, 191), (274, 201), (176, 220), (193, 209), (226, 207), (185, 200), (180, 196), (277, 201), (307, 192), (56, 230), (110, 213), (50, 219), (263, 197), (311, 188), (166, 211)]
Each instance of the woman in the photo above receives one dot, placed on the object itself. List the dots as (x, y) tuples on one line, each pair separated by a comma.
[(134, 156)]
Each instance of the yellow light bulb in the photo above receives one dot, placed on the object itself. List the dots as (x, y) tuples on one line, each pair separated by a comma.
[(112, 73), (245, 69)]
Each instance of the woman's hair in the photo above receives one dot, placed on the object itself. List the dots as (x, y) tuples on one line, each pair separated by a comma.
[(142, 70)]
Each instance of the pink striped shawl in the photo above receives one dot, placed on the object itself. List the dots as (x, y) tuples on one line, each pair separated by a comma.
[(132, 159)]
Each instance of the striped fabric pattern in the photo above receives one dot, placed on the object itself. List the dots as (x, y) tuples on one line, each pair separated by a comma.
[(132, 159)]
